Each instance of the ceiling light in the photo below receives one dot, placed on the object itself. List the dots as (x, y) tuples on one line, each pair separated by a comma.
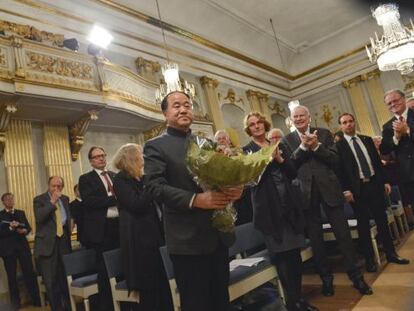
[(394, 50)]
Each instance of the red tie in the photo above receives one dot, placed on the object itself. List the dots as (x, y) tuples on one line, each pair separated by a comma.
[(108, 182), (401, 118)]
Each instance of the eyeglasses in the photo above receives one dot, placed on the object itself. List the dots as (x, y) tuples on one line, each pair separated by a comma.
[(99, 156), (393, 101)]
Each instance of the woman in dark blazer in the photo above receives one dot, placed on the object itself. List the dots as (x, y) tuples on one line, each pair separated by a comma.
[(140, 232), (277, 212)]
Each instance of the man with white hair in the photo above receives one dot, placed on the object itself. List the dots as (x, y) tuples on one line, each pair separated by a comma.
[(315, 158), (275, 135)]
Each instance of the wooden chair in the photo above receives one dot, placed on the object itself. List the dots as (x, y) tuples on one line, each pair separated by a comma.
[(116, 279), (395, 202), (83, 263)]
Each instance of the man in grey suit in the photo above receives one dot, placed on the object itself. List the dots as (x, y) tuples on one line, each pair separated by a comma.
[(198, 251), (315, 158), (52, 240)]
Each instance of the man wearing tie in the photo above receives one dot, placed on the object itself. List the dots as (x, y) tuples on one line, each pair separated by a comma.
[(398, 136), (363, 182), (100, 217), (14, 246), (52, 240), (316, 160)]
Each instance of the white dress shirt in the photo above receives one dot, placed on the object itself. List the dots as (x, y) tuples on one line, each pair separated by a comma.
[(364, 151), (112, 211)]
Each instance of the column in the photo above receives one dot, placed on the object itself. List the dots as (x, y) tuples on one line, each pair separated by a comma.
[(360, 106), (253, 98), (18, 160), (376, 93), (263, 101), (56, 150), (209, 87)]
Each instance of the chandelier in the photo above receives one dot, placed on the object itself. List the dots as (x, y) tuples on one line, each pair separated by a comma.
[(395, 49), (170, 72)]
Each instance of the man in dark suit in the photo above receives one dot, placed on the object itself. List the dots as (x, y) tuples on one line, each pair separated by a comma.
[(363, 182), (76, 211), (316, 160), (100, 217), (198, 251), (52, 240), (398, 136), (14, 246)]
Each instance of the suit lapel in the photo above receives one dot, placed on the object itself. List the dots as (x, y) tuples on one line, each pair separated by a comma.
[(96, 179)]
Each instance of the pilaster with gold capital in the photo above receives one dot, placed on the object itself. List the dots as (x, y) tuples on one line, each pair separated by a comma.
[(209, 87), (253, 98), (264, 105), (6, 111), (77, 133)]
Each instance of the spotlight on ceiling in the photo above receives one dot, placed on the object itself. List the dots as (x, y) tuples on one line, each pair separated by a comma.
[(100, 37), (71, 44)]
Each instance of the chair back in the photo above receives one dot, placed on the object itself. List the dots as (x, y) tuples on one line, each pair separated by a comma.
[(168, 266), (395, 195), (113, 264), (247, 238), (79, 262)]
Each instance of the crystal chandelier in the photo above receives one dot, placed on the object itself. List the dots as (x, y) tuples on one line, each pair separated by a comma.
[(395, 49), (170, 73)]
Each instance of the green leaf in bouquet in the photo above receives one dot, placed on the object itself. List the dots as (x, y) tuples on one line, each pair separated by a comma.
[(217, 170)]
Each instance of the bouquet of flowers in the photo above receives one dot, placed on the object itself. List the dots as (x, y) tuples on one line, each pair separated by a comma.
[(212, 169)]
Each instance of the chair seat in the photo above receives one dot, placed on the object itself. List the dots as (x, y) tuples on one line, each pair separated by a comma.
[(242, 272), (352, 223), (121, 285), (85, 281)]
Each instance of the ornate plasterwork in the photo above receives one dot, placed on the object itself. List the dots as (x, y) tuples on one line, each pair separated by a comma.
[(31, 33), (77, 132), (58, 65), (6, 112), (275, 108), (155, 131)]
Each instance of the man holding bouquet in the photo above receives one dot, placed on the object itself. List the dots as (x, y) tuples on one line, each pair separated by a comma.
[(198, 251)]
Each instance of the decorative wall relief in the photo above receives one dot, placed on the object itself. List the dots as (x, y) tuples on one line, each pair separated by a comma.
[(57, 65), (31, 33)]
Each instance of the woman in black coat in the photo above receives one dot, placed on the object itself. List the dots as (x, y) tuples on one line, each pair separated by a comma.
[(277, 212), (140, 232)]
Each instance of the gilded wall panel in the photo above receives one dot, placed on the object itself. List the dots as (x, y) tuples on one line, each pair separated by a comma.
[(361, 109), (18, 158), (56, 151)]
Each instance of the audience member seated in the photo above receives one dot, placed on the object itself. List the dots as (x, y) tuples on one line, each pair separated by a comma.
[(278, 214), (52, 240), (76, 210), (14, 247), (140, 232)]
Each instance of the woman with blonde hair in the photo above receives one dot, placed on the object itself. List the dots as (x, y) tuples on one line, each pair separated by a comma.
[(140, 232), (277, 212)]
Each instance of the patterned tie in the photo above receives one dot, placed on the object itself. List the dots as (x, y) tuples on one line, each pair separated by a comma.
[(401, 118), (366, 172), (108, 182), (58, 214)]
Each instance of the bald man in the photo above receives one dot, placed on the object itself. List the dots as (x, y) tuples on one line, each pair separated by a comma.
[(52, 240)]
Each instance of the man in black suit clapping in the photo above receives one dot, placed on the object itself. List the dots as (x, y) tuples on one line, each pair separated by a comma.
[(14, 246), (316, 160), (100, 217), (398, 136), (363, 182)]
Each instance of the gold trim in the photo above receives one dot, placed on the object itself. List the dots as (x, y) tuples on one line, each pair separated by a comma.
[(131, 74), (140, 103), (176, 30)]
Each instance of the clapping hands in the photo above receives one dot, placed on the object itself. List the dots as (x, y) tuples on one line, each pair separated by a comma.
[(400, 128), (310, 141)]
